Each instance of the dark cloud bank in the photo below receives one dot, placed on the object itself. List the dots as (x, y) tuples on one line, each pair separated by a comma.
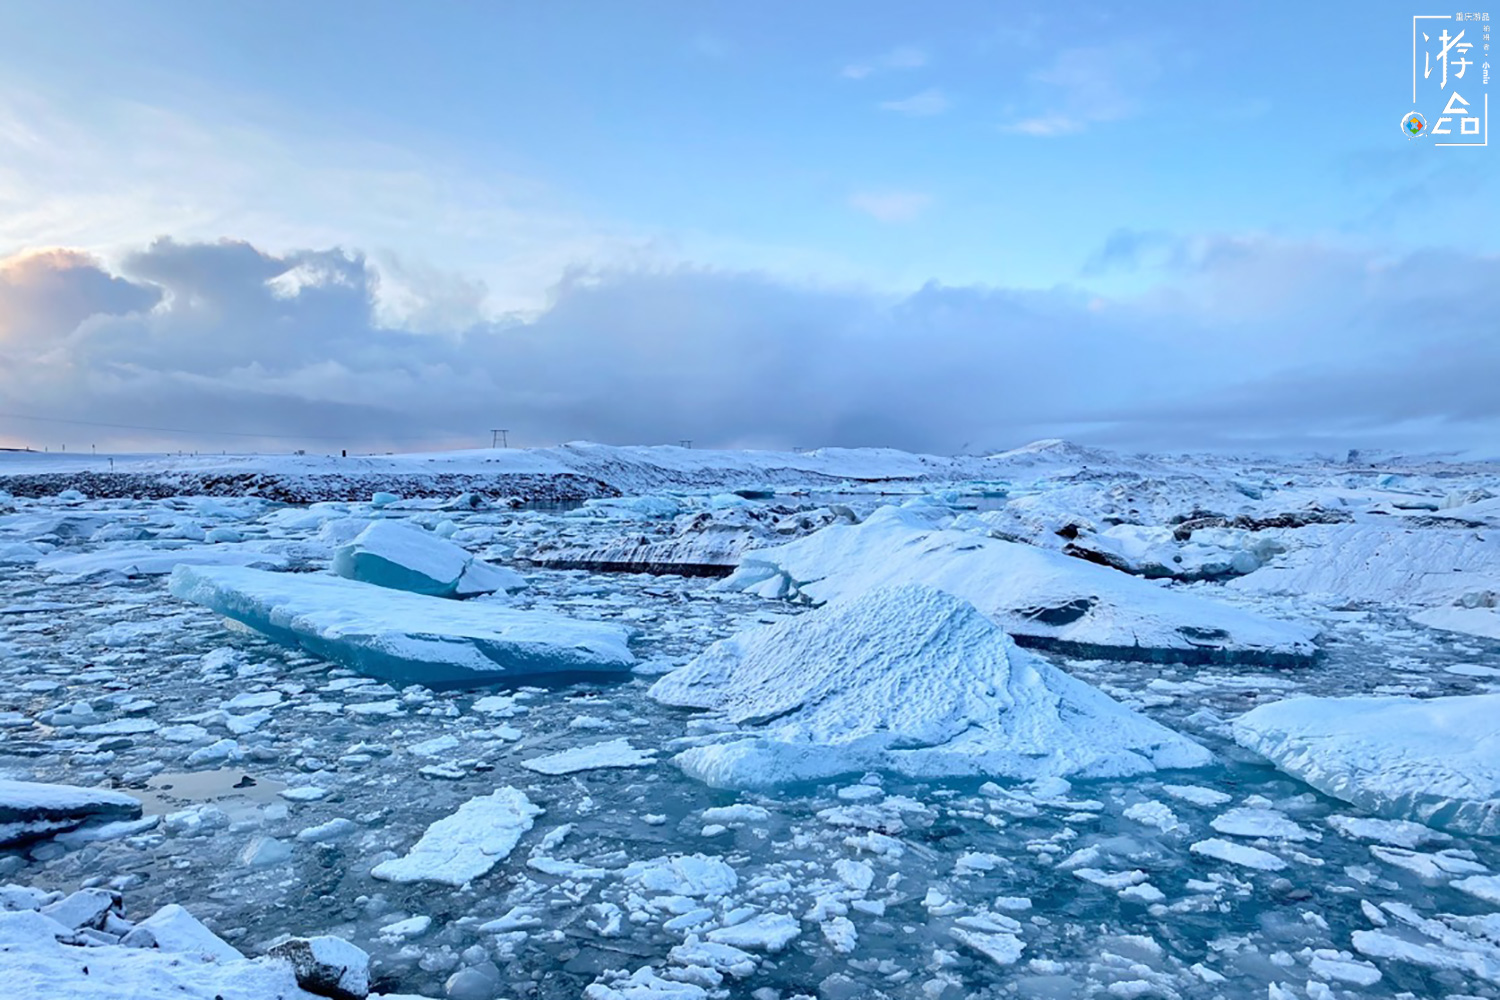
[(1242, 344)]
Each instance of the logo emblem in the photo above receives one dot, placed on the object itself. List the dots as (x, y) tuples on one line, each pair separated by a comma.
[(1413, 124)]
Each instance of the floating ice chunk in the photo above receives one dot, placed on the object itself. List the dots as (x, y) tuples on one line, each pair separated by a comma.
[(1041, 598), (1483, 622), (722, 958), (1485, 887), (1000, 948), (1245, 821), (1435, 761), (461, 847), (403, 637), (1238, 854), (611, 753), (694, 875), (911, 680), (642, 984), (768, 932), (1395, 832), (401, 556), (1197, 795), (29, 809)]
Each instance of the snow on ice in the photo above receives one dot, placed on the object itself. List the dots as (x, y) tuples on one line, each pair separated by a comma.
[(1041, 598), (906, 679), (404, 557), (404, 637), (1433, 760)]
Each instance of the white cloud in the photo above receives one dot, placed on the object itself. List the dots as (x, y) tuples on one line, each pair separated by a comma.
[(1049, 125), (891, 206), (904, 57), (1252, 342), (1089, 85), (928, 102)]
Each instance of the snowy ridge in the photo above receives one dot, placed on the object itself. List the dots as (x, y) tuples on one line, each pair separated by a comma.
[(1041, 598)]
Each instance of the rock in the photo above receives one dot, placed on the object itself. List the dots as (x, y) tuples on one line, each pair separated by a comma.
[(327, 966)]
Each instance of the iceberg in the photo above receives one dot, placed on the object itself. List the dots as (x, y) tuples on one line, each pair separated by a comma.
[(1043, 599), (400, 556), (1435, 761), (911, 680), (403, 637), (30, 810)]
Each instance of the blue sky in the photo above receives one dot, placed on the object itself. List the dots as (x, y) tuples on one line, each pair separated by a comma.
[(472, 155)]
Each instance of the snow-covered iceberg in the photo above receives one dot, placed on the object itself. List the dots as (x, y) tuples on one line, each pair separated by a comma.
[(401, 556), (30, 809), (1042, 598), (905, 679), (1435, 760), (403, 637)]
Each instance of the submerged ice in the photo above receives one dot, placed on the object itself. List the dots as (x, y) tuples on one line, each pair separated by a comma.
[(906, 679)]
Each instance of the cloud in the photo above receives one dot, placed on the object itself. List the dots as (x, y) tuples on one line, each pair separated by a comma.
[(1089, 85), (891, 206), (928, 102), (1252, 343), (904, 57)]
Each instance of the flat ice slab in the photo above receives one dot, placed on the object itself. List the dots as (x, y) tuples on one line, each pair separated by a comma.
[(459, 848), (402, 637), (1435, 760), (30, 809), (906, 679), (1041, 598), (134, 562), (402, 556)]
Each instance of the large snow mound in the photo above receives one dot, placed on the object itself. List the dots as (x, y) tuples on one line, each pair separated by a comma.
[(1435, 760), (401, 556), (1041, 598), (911, 680), (403, 637)]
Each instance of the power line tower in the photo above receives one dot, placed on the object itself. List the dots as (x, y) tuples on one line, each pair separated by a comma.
[(498, 439), (686, 442)]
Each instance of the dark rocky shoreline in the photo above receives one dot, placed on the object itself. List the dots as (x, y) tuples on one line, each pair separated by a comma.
[(311, 488)]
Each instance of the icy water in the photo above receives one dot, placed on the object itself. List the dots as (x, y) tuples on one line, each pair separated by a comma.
[(889, 882)]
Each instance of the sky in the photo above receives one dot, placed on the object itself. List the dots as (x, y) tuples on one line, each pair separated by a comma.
[(947, 227)]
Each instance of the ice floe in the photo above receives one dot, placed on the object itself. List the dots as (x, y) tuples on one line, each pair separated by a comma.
[(465, 845), (400, 636), (1435, 761)]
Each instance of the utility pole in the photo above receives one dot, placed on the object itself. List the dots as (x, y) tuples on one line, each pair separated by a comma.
[(686, 442), (498, 439)]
